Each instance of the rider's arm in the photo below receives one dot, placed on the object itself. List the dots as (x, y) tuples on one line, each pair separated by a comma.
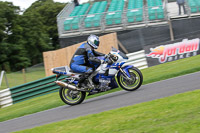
[(98, 53), (91, 56)]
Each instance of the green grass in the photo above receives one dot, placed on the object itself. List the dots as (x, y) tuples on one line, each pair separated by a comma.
[(176, 114), (152, 74), (171, 69), (18, 78)]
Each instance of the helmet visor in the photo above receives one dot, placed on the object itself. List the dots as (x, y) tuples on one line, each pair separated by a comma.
[(96, 42)]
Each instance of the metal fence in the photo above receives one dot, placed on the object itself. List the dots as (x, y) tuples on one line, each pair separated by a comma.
[(23, 76), (29, 90)]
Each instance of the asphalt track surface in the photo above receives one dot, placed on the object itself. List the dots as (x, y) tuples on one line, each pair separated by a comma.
[(106, 102)]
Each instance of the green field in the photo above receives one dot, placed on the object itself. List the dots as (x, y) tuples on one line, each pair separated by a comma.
[(152, 74), (176, 114), (18, 78)]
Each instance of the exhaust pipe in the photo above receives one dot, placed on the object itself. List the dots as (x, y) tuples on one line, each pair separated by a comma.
[(66, 85)]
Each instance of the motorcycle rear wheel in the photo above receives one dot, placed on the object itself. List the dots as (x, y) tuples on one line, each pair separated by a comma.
[(135, 82), (71, 97)]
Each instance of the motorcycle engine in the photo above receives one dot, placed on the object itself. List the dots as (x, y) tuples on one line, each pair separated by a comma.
[(104, 84)]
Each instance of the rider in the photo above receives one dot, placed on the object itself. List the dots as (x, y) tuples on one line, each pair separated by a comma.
[(84, 60)]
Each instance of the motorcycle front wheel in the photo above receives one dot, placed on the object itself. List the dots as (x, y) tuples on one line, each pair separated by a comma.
[(135, 81), (71, 97)]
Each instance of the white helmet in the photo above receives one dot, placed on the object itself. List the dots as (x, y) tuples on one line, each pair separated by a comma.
[(93, 41)]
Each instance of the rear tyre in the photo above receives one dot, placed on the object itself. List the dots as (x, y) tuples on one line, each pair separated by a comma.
[(135, 82), (71, 97)]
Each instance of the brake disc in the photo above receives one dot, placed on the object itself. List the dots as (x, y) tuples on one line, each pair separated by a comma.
[(132, 81)]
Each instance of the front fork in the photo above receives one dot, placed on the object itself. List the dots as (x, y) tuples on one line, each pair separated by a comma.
[(127, 76)]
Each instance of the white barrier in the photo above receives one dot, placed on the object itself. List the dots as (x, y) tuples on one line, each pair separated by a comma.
[(5, 98), (1, 77), (137, 59)]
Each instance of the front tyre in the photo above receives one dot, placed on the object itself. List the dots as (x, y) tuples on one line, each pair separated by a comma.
[(71, 97), (135, 81)]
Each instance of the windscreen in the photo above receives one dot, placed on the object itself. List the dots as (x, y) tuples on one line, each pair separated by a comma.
[(120, 53)]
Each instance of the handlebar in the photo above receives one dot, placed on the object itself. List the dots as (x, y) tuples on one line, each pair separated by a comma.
[(110, 58)]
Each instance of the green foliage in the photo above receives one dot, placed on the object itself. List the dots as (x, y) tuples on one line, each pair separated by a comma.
[(8, 16), (47, 11), (24, 37), (37, 40)]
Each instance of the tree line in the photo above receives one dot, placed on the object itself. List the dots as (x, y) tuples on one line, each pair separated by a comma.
[(23, 37)]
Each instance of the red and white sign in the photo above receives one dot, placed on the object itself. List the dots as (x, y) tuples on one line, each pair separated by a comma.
[(179, 50)]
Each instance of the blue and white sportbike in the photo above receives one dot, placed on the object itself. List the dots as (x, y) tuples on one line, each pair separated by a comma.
[(112, 73)]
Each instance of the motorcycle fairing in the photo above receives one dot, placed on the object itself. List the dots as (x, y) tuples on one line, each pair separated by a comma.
[(113, 84)]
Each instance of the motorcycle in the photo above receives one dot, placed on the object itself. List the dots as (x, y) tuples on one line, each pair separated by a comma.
[(111, 73)]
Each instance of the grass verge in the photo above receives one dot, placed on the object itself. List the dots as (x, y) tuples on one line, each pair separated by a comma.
[(17, 78), (152, 74), (178, 113)]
